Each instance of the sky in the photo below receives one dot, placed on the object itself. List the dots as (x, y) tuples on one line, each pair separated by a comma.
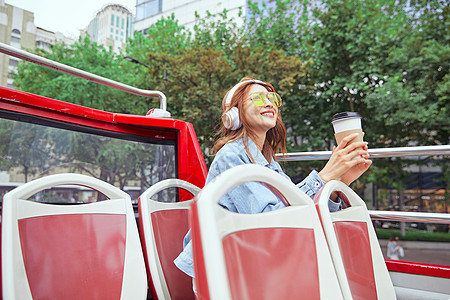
[(67, 16)]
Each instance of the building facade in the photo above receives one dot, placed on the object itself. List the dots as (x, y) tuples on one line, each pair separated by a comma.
[(149, 12), (112, 25), (17, 29), (45, 39)]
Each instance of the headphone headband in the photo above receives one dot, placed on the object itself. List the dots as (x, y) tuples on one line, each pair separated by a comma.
[(233, 90)]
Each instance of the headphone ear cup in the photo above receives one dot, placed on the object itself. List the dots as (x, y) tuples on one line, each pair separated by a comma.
[(231, 120)]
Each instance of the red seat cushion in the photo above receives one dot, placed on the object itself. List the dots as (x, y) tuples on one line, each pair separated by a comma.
[(272, 263), (169, 228), (354, 245), (78, 256)]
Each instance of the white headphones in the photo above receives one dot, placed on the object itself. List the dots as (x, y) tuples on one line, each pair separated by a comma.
[(230, 119)]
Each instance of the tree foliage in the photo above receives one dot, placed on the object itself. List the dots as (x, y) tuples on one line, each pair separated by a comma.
[(87, 56)]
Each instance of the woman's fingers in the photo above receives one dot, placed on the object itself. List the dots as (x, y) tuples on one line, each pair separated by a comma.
[(354, 146), (347, 140), (355, 162), (358, 153)]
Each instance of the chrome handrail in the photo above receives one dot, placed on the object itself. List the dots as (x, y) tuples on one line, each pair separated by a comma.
[(9, 50), (408, 216), (374, 153)]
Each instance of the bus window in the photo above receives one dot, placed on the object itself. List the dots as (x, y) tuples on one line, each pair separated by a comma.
[(29, 150)]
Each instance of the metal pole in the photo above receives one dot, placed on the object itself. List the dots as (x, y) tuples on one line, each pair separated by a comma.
[(134, 60), (9, 50)]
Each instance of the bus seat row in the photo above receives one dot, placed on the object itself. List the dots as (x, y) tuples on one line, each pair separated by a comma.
[(282, 254), (93, 250), (301, 251)]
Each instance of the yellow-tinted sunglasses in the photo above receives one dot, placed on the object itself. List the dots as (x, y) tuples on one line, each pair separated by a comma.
[(259, 98)]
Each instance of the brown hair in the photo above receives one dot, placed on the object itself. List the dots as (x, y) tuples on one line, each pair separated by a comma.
[(275, 137)]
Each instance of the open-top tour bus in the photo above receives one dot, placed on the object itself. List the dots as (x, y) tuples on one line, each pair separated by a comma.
[(71, 232)]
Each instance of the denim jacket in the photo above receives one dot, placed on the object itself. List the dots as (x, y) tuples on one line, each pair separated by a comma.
[(250, 197)]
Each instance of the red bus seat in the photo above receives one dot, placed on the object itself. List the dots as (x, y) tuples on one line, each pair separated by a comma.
[(354, 246), (83, 251), (274, 255), (163, 226)]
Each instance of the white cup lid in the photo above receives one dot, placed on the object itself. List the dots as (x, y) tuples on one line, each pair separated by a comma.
[(345, 115), (346, 121)]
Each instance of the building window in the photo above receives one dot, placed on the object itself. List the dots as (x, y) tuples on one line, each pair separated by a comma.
[(15, 39), (112, 30), (123, 20), (148, 8), (121, 33), (112, 20), (16, 31), (13, 62), (117, 21), (43, 44)]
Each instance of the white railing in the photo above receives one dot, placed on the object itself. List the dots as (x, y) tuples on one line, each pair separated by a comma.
[(383, 153), (374, 153), (407, 216)]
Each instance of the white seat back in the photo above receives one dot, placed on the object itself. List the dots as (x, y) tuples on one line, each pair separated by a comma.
[(81, 251), (163, 226), (354, 246)]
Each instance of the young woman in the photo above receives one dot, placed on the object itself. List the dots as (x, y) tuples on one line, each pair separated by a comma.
[(252, 132)]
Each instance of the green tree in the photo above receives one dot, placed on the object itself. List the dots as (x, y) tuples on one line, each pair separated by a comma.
[(420, 65), (30, 148), (359, 52), (87, 56), (388, 60)]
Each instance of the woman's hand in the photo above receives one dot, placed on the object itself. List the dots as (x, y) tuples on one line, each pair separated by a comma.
[(341, 165)]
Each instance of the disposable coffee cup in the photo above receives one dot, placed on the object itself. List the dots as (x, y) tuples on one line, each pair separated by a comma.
[(346, 123)]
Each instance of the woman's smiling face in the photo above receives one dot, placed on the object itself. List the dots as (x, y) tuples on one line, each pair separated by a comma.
[(260, 118)]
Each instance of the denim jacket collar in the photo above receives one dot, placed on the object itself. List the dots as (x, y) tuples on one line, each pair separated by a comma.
[(258, 156)]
